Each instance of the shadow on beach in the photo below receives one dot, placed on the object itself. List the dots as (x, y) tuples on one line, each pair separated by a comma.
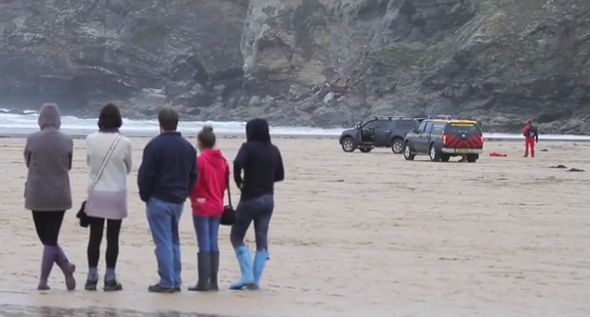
[(44, 311)]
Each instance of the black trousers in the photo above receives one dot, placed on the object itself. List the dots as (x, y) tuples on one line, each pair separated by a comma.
[(48, 225), (96, 233)]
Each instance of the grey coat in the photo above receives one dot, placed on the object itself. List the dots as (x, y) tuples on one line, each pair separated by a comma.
[(48, 155)]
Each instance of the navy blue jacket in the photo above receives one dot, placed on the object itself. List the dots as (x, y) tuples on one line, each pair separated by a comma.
[(260, 161), (168, 170)]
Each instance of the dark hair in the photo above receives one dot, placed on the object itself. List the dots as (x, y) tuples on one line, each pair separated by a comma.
[(168, 119), (110, 117), (207, 137)]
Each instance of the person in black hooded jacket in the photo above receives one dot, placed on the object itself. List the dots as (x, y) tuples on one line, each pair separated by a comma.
[(262, 165)]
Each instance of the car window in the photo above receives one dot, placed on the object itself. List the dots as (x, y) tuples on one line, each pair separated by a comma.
[(422, 126), (438, 127), (384, 124), (429, 126), (406, 124), (470, 128), (370, 125)]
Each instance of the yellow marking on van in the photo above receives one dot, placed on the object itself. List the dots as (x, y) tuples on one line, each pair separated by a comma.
[(463, 121), (453, 121), (463, 124)]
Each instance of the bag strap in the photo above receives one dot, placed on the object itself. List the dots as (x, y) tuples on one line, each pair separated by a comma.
[(104, 162), (228, 185)]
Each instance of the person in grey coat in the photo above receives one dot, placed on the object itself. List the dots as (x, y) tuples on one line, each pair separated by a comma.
[(48, 156)]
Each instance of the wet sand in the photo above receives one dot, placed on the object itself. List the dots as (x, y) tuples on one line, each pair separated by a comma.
[(352, 234)]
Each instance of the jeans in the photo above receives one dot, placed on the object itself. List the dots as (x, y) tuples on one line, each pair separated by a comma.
[(163, 218), (207, 229), (257, 210)]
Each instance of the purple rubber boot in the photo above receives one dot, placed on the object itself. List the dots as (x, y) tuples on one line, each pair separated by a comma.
[(46, 266), (66, 267)]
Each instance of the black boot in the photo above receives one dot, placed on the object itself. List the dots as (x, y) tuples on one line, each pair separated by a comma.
[(214, 269), (204, 272)]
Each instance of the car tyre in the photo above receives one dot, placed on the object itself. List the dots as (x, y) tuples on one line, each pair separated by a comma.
[(434, 154), (408, 155), (348, 145), (472, 158), (397, 146), (365, 149)]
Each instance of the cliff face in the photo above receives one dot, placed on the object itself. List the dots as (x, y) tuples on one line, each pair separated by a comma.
[(311, 62)]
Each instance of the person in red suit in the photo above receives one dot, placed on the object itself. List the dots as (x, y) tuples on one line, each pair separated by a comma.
[(531, 137)]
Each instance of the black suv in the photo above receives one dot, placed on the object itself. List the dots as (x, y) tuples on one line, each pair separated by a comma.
[(441, 139), (378, 132)]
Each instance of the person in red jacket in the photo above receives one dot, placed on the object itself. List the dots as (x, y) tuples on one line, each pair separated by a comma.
[(207, 206), (531, 136)]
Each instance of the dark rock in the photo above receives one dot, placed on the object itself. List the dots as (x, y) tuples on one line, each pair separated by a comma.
[(308, 62)]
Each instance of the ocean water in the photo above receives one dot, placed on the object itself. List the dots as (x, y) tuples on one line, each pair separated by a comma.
[(27, 121)]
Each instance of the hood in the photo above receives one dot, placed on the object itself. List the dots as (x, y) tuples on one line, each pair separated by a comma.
[(257, 130), (49, 116), (349, 132), (213, 157)]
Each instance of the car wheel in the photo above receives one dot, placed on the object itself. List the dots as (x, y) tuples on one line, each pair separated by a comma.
[(365, 149), (408, 155), (445, 157), (348, 145), (434, 153), (397, 147), (472, 158)]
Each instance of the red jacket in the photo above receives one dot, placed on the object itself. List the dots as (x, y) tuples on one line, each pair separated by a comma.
[(530, 132), (526, 129), (207, 195)]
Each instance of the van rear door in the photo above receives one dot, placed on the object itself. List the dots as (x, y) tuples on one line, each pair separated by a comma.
[(464, 135)]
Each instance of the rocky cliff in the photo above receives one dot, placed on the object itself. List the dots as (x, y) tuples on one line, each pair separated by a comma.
[(309, 62)]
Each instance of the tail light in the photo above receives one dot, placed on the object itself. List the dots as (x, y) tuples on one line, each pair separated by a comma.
[(481, 139), (444, 139)]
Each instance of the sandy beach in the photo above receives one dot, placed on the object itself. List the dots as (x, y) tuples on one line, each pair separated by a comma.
[(353, 234)]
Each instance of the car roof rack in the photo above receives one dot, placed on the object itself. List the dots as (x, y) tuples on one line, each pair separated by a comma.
[(393, 118), (449, 117)]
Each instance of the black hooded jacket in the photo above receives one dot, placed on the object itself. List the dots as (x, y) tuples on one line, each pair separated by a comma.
[(260, 160)]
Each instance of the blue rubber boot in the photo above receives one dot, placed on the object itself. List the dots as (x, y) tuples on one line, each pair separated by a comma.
[(259, 261), (247, 276)]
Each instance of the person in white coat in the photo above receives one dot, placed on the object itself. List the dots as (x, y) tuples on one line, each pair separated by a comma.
[(109, 161)]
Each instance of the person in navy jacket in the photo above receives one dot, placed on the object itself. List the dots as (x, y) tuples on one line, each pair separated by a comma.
[(166, 176)]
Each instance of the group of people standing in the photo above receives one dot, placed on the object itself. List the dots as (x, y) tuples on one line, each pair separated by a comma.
[(169, 174)]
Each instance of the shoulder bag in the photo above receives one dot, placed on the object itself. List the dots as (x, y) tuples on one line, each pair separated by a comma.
[(229, 213), (84, 219)]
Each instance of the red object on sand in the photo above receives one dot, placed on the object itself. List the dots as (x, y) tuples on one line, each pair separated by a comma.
[(498, 154)]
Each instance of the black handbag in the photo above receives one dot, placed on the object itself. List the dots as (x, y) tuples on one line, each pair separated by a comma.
[(82, 216), (229, 213)]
